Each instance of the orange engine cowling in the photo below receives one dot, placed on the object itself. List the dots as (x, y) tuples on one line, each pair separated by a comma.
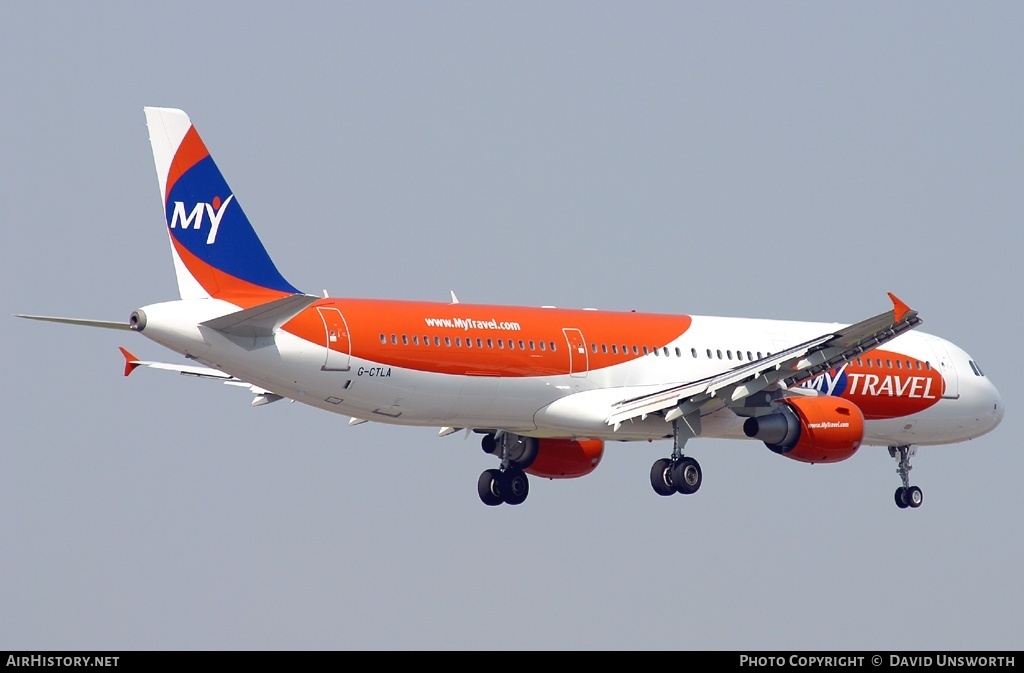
[(811, 429), (566, 458)]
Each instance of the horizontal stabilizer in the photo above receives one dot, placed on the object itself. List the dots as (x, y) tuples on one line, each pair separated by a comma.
[(262, 320), (106, 324)]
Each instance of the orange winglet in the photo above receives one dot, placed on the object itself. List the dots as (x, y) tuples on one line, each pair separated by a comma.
[(130, 361), (899, 309)]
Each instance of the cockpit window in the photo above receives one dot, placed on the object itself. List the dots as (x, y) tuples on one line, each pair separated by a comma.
[(975, 368)]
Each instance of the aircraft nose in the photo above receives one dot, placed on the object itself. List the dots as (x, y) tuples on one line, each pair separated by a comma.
[(994, 408), (997, 406)]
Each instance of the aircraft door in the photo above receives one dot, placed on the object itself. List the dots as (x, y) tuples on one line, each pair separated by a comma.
[(339, 348), (578, 358), (944, 363)]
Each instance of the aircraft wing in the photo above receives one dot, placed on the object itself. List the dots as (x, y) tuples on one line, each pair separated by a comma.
[(262, 396), (779, 370)]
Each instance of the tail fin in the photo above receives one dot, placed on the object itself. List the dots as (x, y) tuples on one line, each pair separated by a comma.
[(216, 251)]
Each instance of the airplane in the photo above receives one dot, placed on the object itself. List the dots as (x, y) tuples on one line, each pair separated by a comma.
[(546, 388)]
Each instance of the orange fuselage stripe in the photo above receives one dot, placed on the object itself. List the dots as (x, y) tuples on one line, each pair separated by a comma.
[(500, 336)]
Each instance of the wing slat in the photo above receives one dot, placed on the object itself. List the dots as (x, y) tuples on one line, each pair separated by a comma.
[(779, 370)]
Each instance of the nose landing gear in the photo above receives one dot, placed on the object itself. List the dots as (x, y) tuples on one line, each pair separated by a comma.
[(906, 495)]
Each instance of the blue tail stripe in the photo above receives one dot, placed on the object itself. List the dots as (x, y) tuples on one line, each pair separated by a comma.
[(205, 218)]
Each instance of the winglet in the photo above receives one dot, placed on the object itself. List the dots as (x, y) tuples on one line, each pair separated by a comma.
[(899, 309), (130, 361)]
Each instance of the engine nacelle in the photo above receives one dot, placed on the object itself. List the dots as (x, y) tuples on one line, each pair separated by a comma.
[(822, 429), (566, 458)]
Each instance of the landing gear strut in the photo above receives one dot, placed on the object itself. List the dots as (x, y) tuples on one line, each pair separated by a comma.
[(906, 495), (678, 474), (509, 483)]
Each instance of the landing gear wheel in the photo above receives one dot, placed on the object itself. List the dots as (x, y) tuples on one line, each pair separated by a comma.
[(901, 498), (914, 497), (661, 478), (686, 476), (487, 487), (514, 486)]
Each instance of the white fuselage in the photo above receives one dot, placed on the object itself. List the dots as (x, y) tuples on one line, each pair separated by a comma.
[(577, 403)]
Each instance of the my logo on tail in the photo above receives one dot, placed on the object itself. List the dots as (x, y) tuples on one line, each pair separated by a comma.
[(195, 218)]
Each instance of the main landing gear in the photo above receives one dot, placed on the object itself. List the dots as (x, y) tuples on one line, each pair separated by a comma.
[(509, 483), (906, 495), (678, 474)]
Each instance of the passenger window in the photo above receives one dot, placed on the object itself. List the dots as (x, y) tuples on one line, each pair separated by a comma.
[(490, 344), (532, 347), (448, 341), (719, 354), (645, 350), (383, 339), (729, 354), (615, 349), (521, 346), (604, 348), (394, 339), (552, 345), (405, 340), (501, 344), (542, 345), (593, 346)]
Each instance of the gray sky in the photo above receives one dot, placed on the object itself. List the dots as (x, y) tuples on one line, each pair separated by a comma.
[(780, 159)]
